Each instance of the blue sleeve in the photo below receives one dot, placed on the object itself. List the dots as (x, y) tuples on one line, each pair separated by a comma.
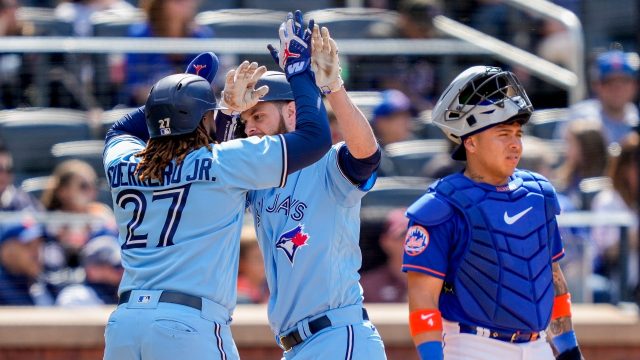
[(133, 124), (358, 170), (312, 137), (557, 249), (427, 249)]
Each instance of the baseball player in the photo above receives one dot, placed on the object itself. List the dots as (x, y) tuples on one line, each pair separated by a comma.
[(179, 201), (482, 246), (308, 230)]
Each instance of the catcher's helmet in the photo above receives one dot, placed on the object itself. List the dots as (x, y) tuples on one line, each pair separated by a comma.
[(176, 105), (478, 98), (279, 87)]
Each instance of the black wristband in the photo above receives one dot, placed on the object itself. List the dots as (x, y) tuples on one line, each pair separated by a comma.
[(571, 354)]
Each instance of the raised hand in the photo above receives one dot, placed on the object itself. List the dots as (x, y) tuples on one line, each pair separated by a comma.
[(239, 92), (324, 61), (294, 56)]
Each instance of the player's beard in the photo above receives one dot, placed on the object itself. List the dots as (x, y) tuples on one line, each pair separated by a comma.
[(282, 128)]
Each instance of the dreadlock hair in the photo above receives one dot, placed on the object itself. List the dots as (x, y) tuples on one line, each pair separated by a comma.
[(159, 152)]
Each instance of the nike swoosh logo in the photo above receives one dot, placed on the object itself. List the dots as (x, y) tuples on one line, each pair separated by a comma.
[(425, 316), (512, 219)]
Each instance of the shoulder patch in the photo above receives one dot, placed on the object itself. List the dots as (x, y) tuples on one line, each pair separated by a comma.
[(430, 210), (416, 241)]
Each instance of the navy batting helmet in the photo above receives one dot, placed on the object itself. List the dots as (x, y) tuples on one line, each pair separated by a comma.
[(279, 88), (176, 105)]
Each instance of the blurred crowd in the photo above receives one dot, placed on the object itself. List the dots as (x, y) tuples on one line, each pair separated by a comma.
[(59, 247)]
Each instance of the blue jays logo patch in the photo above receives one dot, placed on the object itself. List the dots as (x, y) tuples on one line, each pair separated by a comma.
[(292, 240), (417, 240)]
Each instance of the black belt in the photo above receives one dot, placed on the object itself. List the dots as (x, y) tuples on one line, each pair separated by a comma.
[(173, 297), (515, 337), (293, 338)]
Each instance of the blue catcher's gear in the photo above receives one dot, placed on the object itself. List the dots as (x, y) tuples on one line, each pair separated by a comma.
[(504, 275), (176, 105)]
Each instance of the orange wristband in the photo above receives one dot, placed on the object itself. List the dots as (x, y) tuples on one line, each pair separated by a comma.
[(561, 306), (425, 320)]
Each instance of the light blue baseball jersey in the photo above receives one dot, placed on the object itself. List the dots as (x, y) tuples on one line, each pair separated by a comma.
[(184, 235), (309, 236)]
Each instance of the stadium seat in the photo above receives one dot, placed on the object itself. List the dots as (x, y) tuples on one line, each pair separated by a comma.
[(30, 133), (352, 23), (115, 22), (543, 123), (410, 157), (234, 23), (89, 151), (590, 187), (288, 5), (43, 21)]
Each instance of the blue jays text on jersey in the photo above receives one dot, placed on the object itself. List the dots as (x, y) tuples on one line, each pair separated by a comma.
[(123, 174), (492, 246)]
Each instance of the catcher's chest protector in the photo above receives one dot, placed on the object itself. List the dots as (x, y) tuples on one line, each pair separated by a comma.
[(505, 276)]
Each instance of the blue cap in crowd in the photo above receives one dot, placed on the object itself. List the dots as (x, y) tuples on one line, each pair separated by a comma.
[(393, 101), (102, 250), (616, 62), (24, 232)]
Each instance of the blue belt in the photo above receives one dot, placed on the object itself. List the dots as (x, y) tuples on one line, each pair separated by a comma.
[(172, 297), (515, 337), (294, 338)]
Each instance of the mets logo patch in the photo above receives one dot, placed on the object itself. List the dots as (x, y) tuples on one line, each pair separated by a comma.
[(417, 240), (292, 240)]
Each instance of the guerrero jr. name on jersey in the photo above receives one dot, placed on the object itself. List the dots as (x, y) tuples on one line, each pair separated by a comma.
[(123, 174)]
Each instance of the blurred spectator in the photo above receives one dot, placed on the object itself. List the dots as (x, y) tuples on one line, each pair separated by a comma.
[(79, 12), (14, 71), (165, 18), (622, 196), (414, 20), (392, 118), (615, 85), (100, 259), (386, 283), (413, 75), (586, 157), (539, 157), (11, 197), (252, 281), (491, 17), (72, 191), (21, 265)]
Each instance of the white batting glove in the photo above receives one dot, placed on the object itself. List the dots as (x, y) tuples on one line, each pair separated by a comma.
[(324, 61), (239, 92)]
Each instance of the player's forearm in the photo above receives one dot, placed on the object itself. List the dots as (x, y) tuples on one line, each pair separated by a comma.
[(562, 324), (425, 320), (354, 125), (312, 137), (560, 328)]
